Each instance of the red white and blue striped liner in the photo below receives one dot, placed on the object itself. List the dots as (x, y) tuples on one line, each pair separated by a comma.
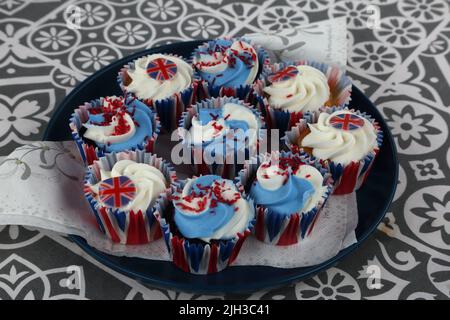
[(350, 177), (200, 257), (225, 170), (91, 153), (340, 88), (128, 227), (169, 110), (276, 229)]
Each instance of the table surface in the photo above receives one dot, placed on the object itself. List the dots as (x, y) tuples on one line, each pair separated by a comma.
[(403, 66)]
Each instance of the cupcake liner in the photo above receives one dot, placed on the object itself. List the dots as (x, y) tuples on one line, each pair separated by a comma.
[(273, 228), (340, 93), (90, 153), (128, 227), (206, 90), (169, 110), (225, 169), (200, 257), (350, 177)]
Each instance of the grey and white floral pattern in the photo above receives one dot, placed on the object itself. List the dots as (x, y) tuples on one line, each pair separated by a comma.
[(281, 17), (54, 38), (130, 33), (400, 32), (374, 57), (402, 66), (355, 11), (91, 58)]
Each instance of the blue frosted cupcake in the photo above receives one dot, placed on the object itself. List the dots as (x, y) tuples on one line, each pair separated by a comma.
[(207, 225), (288, 192), (221, 133), (113, 124), (228, 67), (162, 81)]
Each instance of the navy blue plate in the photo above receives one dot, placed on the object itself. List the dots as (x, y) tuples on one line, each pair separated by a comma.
[(373, 199)]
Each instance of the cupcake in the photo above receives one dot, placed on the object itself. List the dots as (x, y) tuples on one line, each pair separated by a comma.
[(228, 67), (164, 82), (207, 224), (220, 133), (346, 139), (123, 190), (289, 193), (293, 89), (113, 124)]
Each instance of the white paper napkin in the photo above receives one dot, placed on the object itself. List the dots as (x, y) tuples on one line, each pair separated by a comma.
[(324, 41)]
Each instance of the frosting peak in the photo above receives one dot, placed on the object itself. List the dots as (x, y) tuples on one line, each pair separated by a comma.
[(159, 76), (299, 88), (146, 181), (341, 136)]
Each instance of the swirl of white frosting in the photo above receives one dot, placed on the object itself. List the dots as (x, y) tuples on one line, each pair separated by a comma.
[(200, 133), (308, 91), (316, 179), (145, 87), (340, 146), (272, 177), (242, 216), (148, 180)]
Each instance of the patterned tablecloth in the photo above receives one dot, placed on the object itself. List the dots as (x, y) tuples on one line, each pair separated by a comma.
[(402, 65)]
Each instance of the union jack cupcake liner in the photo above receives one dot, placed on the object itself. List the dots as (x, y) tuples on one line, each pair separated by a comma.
[(226, 169), (243, 92), (350, 177), (340, 93), (127, 226), (170, 109), (199, 257), (273, 228), (90, 153)]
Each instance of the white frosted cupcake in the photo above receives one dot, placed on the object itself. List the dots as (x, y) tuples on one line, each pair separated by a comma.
[(347, 140), (123, 190), (164, 82), (294, 89)]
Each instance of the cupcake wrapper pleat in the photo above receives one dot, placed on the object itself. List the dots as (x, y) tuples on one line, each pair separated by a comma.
[(128, 227), (350, 177), (169, 110), (90, 153), (340, 94), (200, 258), (225, 168), (273, 228)]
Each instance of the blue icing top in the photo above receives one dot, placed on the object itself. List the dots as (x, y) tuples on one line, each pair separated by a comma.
[(238, 66), (223, 143), (142, 117), (286, 200), (203, 210)]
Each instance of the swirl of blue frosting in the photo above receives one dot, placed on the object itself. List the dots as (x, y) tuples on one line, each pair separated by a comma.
[(142, 116), (221, 144), (234, 75), (286, 200), (202, 224)]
